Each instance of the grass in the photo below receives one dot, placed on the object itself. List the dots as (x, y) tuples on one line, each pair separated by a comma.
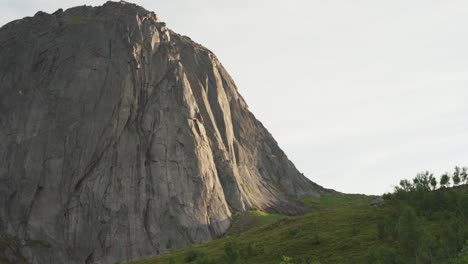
[(332, 201), (339, 229), (250, 220)]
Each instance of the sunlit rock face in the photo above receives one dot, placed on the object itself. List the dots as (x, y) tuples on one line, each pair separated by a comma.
[(120, 139)]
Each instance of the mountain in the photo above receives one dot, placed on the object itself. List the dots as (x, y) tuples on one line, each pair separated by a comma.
[(120, 139)]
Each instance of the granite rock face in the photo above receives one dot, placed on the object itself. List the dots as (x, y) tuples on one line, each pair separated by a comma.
[(120, 139)]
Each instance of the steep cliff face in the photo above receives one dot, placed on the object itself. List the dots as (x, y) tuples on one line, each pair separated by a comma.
[(121, 139)]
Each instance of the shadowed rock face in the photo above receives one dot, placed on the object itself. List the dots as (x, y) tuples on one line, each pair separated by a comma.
[(120, 139)]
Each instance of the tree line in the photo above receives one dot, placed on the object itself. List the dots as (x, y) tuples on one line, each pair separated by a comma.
[(426, 181), (424, 220)]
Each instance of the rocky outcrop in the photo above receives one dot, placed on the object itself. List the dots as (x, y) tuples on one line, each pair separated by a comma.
[(377, 202), (120, 139)]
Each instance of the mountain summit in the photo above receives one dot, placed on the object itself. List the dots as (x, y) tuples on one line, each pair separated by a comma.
[(120, 139)]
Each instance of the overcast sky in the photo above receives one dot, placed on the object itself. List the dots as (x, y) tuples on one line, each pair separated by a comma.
[(359, 94)]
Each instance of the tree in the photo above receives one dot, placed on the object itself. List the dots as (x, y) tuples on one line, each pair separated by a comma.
[(456, 179), (456, 176), (464, 175), (433, 181), (405, 185), (444, 180), (422, 181)]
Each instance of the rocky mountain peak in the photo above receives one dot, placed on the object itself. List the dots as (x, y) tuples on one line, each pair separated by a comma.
[(121, 139)]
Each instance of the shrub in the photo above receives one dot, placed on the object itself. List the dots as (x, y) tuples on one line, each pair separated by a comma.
[(286, 260), (192, 255), (206, 260), (292, 232), (248, 251), (231, 252), (382, 255), (316, 240)]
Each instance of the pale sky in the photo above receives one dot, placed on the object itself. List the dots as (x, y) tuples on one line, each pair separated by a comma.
[(359, 94)]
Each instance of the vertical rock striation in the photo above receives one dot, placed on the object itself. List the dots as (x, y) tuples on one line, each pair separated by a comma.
[(120, 139)]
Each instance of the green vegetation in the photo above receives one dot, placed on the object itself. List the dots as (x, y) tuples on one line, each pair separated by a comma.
[(418, 223), (339, 229), (252, 219)]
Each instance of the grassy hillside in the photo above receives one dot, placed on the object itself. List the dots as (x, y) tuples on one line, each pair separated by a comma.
[(338, 230), (413, 226)]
